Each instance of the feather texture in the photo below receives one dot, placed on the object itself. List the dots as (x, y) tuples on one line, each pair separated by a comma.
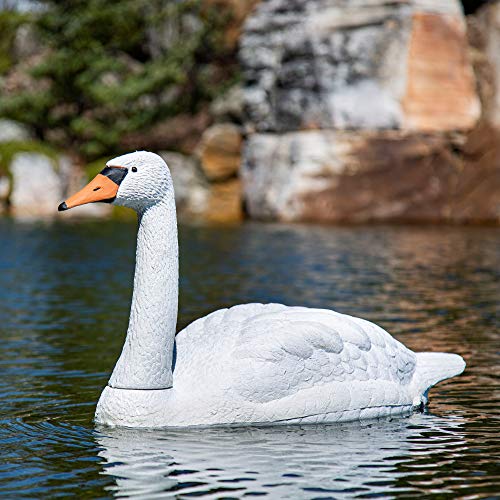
[(270, 363)]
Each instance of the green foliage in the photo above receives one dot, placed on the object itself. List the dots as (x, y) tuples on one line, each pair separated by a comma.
[(111, 68), (9, 22)]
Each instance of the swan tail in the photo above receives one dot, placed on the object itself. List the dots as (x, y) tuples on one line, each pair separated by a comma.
[(433, 367)]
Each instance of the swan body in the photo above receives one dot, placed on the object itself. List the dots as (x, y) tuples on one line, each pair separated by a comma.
[(269, 363), (251, 363)]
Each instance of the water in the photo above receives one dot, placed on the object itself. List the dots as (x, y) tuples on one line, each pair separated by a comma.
[(64, 298)]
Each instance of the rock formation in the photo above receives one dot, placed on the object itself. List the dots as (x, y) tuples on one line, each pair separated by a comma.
[(360, 110), (198, 196), (485, 40), (358, 65), (13, 131), (37, 183), (219, 151), (349, 111), (327, 176), (191, 188)]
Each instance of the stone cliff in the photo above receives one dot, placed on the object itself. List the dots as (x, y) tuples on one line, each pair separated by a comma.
[(367, 110), (348, 111)]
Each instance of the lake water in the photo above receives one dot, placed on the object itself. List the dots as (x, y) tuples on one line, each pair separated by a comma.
[(64, 299)]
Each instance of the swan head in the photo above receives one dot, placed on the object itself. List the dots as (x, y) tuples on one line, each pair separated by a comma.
[(135, 180)]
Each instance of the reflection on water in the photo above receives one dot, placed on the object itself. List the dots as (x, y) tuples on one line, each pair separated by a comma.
[(64, 298), (298, 462)]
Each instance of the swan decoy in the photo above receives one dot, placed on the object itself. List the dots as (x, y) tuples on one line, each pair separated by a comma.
[(251, 363)]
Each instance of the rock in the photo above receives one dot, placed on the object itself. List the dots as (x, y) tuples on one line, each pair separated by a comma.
[(480, 179), (4, 188), (37, 189), (440, 92), (367, 64), (364, 110), (194, 196), (334, 176), (4, 193), (229, 106), (488, 24), (11, 131), (40, 183), (225, 202), (191, 189), (219, 151)]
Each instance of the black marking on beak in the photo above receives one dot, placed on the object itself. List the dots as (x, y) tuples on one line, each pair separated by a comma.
[(62, 207), (116, 174)]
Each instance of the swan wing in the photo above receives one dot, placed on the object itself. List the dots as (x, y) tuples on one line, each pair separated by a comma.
[(264, 353), (296, 349)]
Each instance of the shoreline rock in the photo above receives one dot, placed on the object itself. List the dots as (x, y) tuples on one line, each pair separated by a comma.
[(372, 65), (219, 151), (11, 131), (349, 112), (191, 189), (352, 177), (35, 183), (364, 112)]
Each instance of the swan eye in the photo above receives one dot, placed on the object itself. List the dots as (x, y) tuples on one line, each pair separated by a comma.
[(134, 169)]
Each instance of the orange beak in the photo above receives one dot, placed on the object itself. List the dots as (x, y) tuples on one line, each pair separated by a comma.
[(103, 187)]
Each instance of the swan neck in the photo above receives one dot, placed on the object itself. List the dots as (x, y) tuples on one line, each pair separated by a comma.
[(146, 358)]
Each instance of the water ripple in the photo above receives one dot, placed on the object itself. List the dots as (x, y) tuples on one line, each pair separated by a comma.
[(63, 315)]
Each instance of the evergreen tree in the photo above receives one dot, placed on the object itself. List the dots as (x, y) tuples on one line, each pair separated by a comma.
[(110, 68)]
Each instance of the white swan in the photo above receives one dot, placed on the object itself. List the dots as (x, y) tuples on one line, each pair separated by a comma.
[(252, 363)]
